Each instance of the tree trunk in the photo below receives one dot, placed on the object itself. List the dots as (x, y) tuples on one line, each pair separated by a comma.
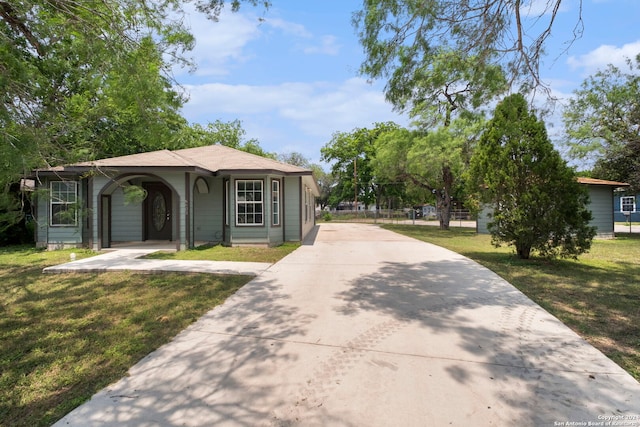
[(523, 251), (444, 198)]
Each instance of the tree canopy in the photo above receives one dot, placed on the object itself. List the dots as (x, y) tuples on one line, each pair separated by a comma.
[(536, 201), (352, 154), (432, 163), (85, 80), (602, 123), (452, 49)]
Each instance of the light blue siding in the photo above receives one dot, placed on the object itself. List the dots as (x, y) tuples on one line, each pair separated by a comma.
[(482, 223), (292, 204), (308, 209), (197, 216), (57, 237), (208, 211), (601, 206), (275, 231), (126, 219)]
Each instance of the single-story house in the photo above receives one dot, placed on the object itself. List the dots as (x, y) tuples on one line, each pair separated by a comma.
[(212, 194), (627, 207), (601, 204)]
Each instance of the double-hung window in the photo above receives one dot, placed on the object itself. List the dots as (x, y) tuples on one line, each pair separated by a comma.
[(249, 202), (628, 204), (275, 202), (64, 197)]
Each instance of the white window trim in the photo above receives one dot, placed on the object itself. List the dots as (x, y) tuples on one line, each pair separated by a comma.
[(53, 202), (622, 198), (227, 186), (276, 203), (246, 202)]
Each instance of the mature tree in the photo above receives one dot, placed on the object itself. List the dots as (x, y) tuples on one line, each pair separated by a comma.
[(442, 66), (408, 40), (76, 73), (295, 158), (351, 154), (326, 183), (603, 123), (82, 80), (537, 203), (431, 161)]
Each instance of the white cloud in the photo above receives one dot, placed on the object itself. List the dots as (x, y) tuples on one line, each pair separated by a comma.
[(354, 103), (314, 106), (328, 46), (219, 44), (537, 8), (306, 114), (287, 27), (244, 99), (224, 44), (600, 57)]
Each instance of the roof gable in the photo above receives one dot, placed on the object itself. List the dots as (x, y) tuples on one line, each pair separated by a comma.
[(212, 158), (164, 158), (217, 158), (594, 181)]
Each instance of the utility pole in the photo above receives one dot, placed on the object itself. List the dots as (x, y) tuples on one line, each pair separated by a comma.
[(355, 183)]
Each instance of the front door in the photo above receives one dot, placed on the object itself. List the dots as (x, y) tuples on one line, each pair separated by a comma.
[(157, 212)]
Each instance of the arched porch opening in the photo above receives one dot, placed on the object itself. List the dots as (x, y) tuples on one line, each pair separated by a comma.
[(138, 209)]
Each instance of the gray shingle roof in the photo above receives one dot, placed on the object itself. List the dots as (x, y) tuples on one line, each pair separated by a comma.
[(220, 158), (212, 158)]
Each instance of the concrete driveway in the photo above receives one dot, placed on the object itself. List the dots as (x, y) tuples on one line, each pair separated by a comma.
[(370, 328)]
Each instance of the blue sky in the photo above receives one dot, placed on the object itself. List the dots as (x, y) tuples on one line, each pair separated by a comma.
[(292, 77)]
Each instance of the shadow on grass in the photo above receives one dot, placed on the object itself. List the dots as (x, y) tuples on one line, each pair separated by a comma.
[(67, 336), (212, 372), (600, 302)]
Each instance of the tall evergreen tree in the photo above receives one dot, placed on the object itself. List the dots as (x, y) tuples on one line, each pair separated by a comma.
[(538, 205)]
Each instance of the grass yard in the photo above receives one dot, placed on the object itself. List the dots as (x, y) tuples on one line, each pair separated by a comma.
[(597, 296), (66, 336), (235, 253)]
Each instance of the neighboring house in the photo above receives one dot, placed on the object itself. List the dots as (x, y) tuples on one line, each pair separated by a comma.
[(627, 207), (601, 204), (212, 194)]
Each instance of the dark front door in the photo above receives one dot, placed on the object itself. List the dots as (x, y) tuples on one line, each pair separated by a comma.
[(157, 212)]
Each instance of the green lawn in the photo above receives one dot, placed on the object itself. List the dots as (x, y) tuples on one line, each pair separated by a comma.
[(65, 336), (598, 296), (235, 253)]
